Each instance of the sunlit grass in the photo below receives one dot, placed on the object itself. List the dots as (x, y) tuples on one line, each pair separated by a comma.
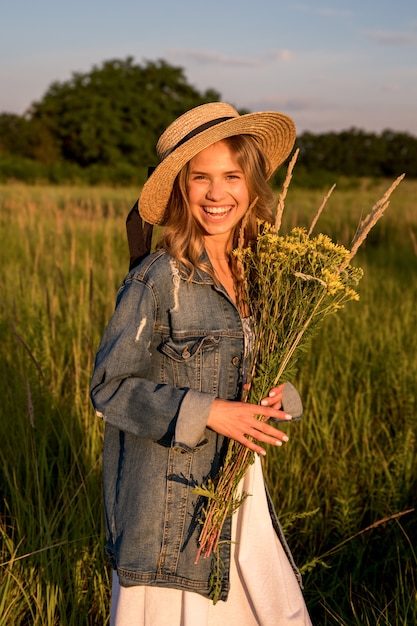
[(349, 464)]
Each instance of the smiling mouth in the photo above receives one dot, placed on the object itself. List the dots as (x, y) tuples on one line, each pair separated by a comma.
[(217, 212)]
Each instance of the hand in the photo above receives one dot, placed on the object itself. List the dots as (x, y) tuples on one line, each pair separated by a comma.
[(274, 398), (237, 420)]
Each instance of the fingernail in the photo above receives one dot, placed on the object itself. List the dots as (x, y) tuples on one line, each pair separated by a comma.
[(262, 452), (278, 442), (287, 416), (264, 402), (285, 438), (272, 394)]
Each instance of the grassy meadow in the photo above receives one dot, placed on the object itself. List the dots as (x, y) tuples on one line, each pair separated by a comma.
[(345, 485)]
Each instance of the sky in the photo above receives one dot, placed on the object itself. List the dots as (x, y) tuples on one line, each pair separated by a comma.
[(330, 65)]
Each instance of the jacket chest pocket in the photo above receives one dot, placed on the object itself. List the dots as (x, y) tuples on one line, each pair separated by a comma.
[(192, 363)]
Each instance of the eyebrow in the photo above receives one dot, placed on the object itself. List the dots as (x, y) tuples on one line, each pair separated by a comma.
[(237, 171)]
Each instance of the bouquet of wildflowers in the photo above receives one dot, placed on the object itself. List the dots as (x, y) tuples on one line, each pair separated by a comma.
[(292, 282)]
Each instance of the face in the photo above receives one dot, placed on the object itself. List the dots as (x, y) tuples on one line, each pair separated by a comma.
[(217, 191)]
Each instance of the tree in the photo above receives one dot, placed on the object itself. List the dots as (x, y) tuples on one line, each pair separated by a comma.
[(116, 112), (113, 115), (354, 152)]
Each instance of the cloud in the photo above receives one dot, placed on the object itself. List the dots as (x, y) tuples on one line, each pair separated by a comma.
[(323, 11), (289, 105), (391, 37), (281, 55), (210, 58), (393, 87)]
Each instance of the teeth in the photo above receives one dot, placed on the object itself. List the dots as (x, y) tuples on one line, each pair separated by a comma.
[(216, 210)]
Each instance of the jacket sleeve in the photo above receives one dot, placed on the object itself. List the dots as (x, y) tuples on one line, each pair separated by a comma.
[(121, 392)]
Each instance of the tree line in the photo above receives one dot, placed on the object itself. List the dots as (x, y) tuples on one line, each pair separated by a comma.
[(103, 126)]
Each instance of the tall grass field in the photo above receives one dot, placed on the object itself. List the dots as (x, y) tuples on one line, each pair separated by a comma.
[(345, 485)]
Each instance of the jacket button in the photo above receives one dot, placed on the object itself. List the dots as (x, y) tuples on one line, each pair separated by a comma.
[(235, 361), (186, 353)]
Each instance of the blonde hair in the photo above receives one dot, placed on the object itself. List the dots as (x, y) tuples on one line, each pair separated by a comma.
[(182, 236)]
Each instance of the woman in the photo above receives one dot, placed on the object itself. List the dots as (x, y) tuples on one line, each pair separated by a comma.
[(168, 378)]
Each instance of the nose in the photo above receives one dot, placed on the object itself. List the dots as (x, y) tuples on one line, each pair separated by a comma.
[(215, 191)]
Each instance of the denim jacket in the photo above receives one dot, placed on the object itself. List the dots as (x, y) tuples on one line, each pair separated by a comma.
[(171, 347)]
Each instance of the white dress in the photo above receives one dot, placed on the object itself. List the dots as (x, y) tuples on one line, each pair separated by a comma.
[(263, 588)]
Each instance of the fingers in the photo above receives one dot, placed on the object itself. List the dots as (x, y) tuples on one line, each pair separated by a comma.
[(274, 397), (272, 411), (237, 420), (275, 439), (268, 434)]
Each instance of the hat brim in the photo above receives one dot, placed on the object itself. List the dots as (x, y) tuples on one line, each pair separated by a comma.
[(275, 133)]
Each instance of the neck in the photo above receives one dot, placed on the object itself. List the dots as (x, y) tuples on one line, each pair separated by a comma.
[(218, 250)]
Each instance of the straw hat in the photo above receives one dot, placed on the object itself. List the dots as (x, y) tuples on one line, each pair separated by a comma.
[(201, 127)]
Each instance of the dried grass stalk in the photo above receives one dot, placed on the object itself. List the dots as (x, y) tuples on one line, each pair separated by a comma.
[(372, 218), (319, 212), (283, 194)]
